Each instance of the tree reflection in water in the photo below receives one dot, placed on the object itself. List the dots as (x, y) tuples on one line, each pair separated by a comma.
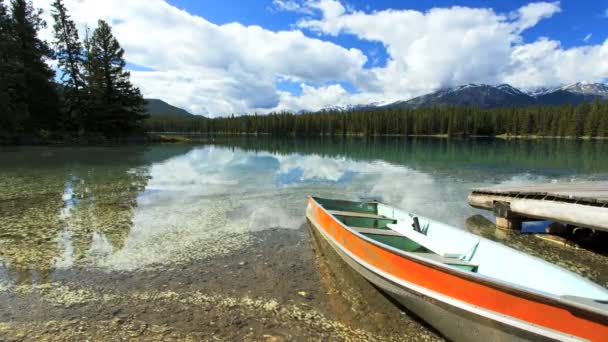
[(61, 206)]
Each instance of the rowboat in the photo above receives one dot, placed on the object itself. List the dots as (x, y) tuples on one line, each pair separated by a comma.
[(465, 286)]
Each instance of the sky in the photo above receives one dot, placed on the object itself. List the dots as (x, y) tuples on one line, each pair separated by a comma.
[(217, 58)]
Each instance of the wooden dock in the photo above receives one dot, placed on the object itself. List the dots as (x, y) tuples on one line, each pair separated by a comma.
[(576, 204)]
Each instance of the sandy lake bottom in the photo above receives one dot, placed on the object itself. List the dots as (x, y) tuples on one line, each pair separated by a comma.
[(209, 242)]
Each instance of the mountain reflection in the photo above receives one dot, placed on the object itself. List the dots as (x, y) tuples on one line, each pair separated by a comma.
[(130, 208), (547, 156)]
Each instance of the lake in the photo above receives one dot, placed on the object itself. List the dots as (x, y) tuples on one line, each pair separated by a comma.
[(210, 240)]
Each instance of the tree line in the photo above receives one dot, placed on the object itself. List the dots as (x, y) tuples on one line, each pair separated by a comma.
[(89, 91), (586, 119)]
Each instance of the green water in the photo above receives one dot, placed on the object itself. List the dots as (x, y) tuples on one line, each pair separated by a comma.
[(73, 217), (134, 207)]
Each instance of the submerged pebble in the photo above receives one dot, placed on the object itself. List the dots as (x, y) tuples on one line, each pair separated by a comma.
[(208, 242)]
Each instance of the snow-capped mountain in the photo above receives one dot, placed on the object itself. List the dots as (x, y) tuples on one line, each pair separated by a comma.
[(574, 93), (354, 107), (505, 95), (470, 95), (537, 91), (587, 88), (493, 96), (510, 89)]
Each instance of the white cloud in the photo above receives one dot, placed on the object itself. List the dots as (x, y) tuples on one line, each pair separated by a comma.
[(231, 68), (214, 69), (547, 62), (456, 45), (290, 5), (587, 37), (316, 98), (442, 47), (329, 8), (529, 15)]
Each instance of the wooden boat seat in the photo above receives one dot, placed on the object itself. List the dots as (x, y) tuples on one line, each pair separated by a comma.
[(449, 261), (439, 258), (442, 249), (355, 214), (386, 232)]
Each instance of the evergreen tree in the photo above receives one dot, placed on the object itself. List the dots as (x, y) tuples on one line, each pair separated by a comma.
[(544, 120), (11, 81), (602, 126), (68, 51), (38, 101), (117, 105)]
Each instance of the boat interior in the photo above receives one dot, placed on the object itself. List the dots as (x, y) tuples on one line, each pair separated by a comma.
[(460, 249), (363, 217)]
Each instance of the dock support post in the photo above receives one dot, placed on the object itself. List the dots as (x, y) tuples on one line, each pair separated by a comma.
[(505, 218), (508, 224)]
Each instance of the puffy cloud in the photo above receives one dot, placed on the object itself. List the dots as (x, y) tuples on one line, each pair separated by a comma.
[(451, 46), (291, 6), (231, 68), (442, 47), (214, 69), (316, 98), (546, 62), (329, 8), (529, 15)]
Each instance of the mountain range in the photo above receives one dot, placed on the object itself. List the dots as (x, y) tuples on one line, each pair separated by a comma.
[(469, 95), (504, 95), (156, 107)]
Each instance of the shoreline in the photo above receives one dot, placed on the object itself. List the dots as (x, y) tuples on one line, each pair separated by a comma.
[(188, 137), (184, 135), (88, 140)]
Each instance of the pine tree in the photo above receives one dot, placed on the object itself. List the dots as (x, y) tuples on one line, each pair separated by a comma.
[(117, 104), (39, 100), (68, 51), (12, 109), (602, 126)]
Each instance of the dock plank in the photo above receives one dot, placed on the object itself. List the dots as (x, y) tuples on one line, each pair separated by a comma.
[(593, 192), (582, 204)]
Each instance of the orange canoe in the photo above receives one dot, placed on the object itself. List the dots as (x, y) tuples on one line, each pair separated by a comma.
[(467, 287)]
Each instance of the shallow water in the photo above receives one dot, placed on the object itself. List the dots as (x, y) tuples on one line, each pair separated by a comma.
[(210, 240)]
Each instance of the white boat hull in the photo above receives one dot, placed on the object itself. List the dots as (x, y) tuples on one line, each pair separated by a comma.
[(454, 323)]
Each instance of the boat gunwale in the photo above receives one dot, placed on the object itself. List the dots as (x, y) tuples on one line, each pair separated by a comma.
[(444, 299), (514, 289)]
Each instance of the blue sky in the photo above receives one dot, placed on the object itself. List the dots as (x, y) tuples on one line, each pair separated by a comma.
[(579, 22), (571, 26), (223, 57)]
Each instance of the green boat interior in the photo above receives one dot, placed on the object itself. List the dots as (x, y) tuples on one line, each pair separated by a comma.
[(363, 217), (427, 239)]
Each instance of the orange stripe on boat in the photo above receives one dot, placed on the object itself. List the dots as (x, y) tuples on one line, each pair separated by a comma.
[(450, 285)]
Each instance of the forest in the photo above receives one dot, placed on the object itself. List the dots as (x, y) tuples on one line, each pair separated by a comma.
[(584, 120), (89, 93)]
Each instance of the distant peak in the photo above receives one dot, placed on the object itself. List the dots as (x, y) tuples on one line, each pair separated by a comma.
[(588, 88)]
